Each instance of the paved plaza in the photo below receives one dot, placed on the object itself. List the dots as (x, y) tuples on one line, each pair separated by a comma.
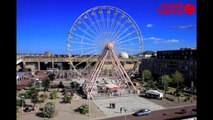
[(131, 103), (99, 108)]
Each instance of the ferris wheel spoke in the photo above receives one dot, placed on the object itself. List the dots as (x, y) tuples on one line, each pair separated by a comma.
[(108, 22), (126, 40), (120, 34), (94, 26), (128, 49), (83, 43), (104, 25), (78, 49), (128, 45), (98, 28), (84, 31), (86, 53), (99, 25), (112, 23), (94, 32), (124, 36), (113, 29), (82, 37), (119, 30), (87, 59)]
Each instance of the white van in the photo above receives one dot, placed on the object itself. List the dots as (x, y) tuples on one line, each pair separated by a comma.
[(154, 94)]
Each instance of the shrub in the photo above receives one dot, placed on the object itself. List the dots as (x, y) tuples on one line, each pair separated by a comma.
[(53, 95), (84, 109), (60, 85), (49, 110), (25, 94), (17, 108), (67, 98), (42, 97)]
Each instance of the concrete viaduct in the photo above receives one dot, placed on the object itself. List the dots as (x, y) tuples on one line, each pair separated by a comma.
[(38, 62)]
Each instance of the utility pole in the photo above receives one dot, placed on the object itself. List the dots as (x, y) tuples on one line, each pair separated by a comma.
[(143, 76), (164, 85), (192, 89)]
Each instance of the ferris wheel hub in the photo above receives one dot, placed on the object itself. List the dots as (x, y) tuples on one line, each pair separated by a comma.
[(110, 45)]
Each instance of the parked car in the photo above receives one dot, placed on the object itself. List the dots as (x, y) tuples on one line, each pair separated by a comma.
[(34, 80), (142, 112), (154, 94)]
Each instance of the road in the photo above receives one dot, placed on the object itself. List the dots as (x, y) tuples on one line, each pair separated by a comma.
[(165, 114)]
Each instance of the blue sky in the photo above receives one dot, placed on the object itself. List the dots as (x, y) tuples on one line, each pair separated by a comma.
[(43, 25)]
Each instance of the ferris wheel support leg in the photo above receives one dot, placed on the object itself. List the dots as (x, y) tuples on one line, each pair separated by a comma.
[(99, 70), (123, 70)]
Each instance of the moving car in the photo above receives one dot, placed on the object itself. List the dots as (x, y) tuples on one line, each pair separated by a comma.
[(142, 112)]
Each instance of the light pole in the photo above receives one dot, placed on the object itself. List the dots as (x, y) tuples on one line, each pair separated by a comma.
[(125, 112), (89, 104), (89, 107), (22, 102), (192, 92)]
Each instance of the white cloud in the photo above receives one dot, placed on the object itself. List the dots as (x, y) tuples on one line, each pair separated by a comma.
[(160, 40), (149, 25), (152, 38), (183, 26), (172, 41)]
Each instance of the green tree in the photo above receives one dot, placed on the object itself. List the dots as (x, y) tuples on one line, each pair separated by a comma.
[(46, 84), (166, 80), (84, 109), (177, 78), (147, 75), (33, 94), (49, 110), (151, 84)]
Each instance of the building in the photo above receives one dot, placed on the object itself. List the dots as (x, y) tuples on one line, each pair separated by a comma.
[(148, 54), (168, 61)]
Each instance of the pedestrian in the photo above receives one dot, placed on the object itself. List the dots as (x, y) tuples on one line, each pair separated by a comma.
[(110, 105), (113, 105), (125, 110), (120, 109)]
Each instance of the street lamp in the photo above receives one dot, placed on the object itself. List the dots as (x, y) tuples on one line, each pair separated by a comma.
[(125, 112), (89, 106), (89, 98), (22, 102)]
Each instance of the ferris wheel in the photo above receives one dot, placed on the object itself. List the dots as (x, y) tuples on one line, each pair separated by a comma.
[(97, 28)]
